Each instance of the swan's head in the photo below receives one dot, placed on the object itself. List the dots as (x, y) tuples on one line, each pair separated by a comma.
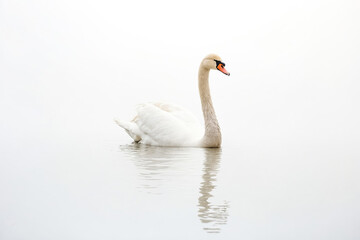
[(213, 61)]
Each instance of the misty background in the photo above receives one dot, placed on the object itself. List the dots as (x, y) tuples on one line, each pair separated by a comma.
[(67, 68)]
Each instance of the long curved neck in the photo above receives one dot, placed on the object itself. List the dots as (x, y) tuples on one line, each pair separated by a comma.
[(212, 136)]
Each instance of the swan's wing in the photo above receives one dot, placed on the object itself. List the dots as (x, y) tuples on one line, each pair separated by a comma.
[(131, 128), (167, 125)]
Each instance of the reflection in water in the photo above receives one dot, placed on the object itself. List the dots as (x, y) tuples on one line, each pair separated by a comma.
[(158, 165), (213, 215), (155, 164)]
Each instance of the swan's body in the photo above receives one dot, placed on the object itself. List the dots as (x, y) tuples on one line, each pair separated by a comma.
[(163, 124)]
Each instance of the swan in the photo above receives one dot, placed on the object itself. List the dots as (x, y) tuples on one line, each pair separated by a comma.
[(163, 124)]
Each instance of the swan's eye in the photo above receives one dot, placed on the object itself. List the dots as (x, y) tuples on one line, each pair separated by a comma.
[(219, 63)]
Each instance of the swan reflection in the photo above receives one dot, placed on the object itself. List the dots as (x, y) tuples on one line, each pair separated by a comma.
[(152, 163), (159, 166), (212, 215)]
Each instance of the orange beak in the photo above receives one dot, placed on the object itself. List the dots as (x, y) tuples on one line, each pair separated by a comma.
[(221, 68)]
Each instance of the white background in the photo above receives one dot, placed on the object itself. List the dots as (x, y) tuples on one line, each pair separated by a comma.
[(68, 67), (294, 65)]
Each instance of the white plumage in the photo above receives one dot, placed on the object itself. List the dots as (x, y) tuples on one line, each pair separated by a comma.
[(163, 124)]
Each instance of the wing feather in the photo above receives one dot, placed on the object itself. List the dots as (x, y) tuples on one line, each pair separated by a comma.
[(167, 125)]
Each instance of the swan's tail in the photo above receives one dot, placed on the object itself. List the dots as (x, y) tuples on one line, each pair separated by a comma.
[(122, 124), (130, 127)]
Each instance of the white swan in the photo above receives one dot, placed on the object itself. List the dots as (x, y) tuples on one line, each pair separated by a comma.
[(164, 124)]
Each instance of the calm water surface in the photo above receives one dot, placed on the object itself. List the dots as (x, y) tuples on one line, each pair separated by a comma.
[(101, 189), (193, 169)]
